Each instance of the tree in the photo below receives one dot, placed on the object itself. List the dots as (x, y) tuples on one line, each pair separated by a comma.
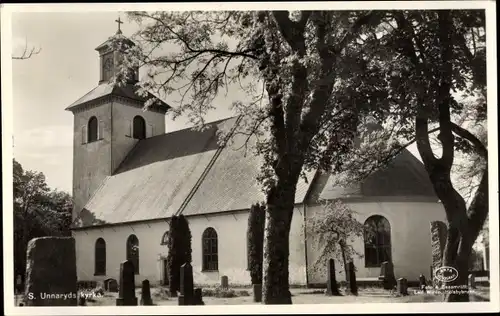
[(27, 53), (179, 250), (335, 227), (255, 240), (303, 77), (439, 54), (38, 212)]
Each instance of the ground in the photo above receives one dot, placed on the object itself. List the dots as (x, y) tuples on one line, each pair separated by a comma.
[(300, 296)]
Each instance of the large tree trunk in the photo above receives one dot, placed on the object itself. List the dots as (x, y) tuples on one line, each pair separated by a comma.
[(280, 203)]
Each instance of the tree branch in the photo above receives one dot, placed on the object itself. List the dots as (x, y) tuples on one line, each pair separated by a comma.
[(465, 134)]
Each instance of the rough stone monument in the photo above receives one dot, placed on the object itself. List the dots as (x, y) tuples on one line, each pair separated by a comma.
[(51, 278), (332, 288), (471, 281), (126, 294), (423, 283), (438, 241)]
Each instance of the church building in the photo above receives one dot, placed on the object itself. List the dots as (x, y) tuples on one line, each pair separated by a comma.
[(130, 177)]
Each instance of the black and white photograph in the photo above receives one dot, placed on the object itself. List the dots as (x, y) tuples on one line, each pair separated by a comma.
[(324, 157)]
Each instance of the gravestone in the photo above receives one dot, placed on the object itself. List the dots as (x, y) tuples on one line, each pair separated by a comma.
[(111, 285), (197, 297), (146, 293), (51, 272), (471, 281), (81, 301), (423, 283), (224, 282), (438, 241), (257, 292), (352, 285), (126, 294), (186, 285), (387, 275), (402, 286), (332, 288)]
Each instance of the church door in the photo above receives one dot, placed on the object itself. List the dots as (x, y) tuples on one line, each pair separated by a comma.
[(165, 272)]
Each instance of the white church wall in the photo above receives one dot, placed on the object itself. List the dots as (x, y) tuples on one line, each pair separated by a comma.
[(231, 230), (410, 239), (123, 116)]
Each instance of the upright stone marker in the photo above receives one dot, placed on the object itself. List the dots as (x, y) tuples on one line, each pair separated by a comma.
[(332, 288), (423, 283), (472, 281), (402, 284), (186, 285), (352, 285), (146, 294), (224, 282), (387, 275), (438, 241), (51, 272), (197, 298), (126, 294)]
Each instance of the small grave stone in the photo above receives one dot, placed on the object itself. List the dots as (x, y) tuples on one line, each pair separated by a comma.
[(402, 286), (257, 292), (111, 285), (51, 272), (423, 283), (471, 281), (186, 285), (352, 285), (126, 294), (146, 294), (198, 299), (224, 282), (332, 288), (81, 301), (387, 275)]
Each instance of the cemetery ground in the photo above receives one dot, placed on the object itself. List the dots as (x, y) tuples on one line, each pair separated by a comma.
[(243, 296)]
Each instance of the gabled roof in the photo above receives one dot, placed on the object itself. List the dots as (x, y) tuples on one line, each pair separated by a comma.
[(184, 171), (106, 89), (404, 176)]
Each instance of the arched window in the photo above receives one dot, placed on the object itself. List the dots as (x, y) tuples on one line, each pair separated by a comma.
[(377, 241), (210, 251), (139, 128), (164, 239), (100, 257), (92, 129), (133, 252)]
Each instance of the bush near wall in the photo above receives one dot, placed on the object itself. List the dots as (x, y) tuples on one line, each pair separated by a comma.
[(255, 241), (179, 250)]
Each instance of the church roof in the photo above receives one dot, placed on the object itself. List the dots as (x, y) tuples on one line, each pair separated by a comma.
[(103, 90), (184, 171), (187, 172)]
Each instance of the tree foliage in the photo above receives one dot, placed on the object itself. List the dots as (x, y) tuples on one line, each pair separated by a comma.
[(255, 241), (335, 228), (38, 211), (179, 250), (308, 80)]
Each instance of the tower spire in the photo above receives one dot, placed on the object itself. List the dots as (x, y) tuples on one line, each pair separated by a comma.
[(119, 22)]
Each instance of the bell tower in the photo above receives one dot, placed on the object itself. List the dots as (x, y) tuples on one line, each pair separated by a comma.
[(108, 121)]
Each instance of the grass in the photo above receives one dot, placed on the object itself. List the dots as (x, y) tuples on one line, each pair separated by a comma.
[(223, 293)]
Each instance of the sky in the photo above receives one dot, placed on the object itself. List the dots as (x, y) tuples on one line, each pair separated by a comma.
[(66, 68)]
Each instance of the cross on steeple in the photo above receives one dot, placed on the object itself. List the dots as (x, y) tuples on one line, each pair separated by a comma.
[(119, 22)]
